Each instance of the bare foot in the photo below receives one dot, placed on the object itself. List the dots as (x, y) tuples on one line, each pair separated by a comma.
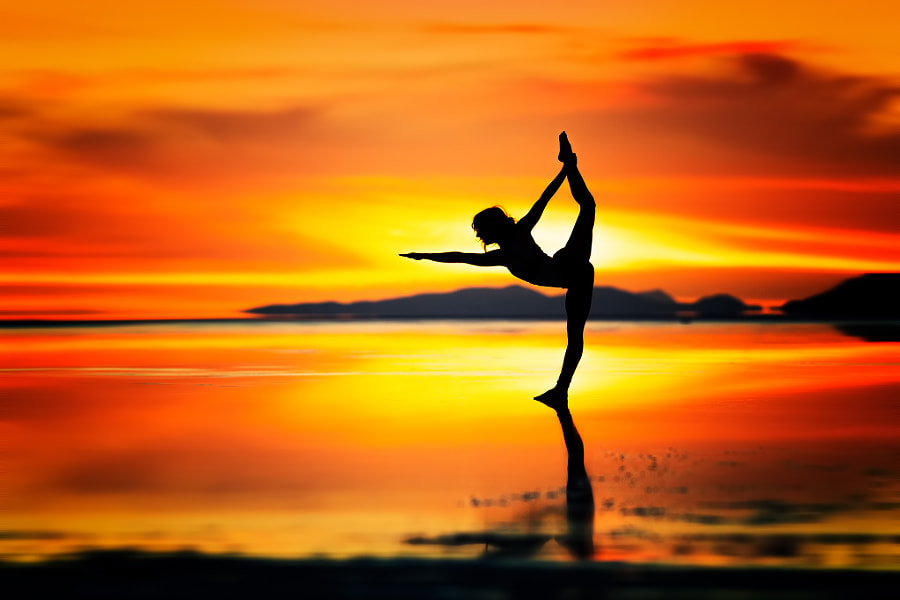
[(555, 398), (565, 149)]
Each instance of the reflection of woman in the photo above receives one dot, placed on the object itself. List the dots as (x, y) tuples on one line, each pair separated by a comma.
[(579, 539), (569, 268)]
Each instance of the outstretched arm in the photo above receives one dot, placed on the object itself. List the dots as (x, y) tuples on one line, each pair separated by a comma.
[(494, 258), (531, 219)]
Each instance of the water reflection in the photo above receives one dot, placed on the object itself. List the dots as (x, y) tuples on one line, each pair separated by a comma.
[(579, 510), (579, 539), (871, 332), (703, 443)]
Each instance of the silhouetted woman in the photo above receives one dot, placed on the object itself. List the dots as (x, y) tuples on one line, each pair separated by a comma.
[(569, 268)]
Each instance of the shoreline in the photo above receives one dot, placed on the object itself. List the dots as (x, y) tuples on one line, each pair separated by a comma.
[(128, 573)]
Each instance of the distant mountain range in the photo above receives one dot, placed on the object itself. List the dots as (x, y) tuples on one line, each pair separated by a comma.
[(515, 302), (876, 295)]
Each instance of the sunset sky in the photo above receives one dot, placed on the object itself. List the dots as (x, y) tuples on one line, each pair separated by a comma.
[(164, 159)]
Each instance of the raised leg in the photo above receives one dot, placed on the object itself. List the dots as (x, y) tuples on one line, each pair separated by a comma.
[(578, 247), (565, 155)]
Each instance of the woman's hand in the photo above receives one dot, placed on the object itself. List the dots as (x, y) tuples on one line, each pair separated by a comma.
[(413, 255)]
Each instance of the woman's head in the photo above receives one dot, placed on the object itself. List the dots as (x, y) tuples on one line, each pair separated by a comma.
[(492, 225)]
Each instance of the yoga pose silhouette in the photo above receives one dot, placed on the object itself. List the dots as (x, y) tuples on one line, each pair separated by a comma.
[(569, 268)]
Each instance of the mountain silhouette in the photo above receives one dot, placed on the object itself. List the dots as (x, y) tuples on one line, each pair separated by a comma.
[(721, 305), (657, 296), (512, 302), (873, 296)]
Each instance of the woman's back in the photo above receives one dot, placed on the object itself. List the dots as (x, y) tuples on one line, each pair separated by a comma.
[(527, 261)]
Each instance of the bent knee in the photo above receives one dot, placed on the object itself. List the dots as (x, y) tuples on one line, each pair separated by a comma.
[(586, 273), (580, 277)]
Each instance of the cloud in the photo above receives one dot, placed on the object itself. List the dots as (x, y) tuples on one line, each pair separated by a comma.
[(13, 108), (33, 534), (498, 28), (180, 141), (206, 146), (164, 190), (109, 146), (781, 114), (655, 49), (225, 126), (78, 231), (39, 215)]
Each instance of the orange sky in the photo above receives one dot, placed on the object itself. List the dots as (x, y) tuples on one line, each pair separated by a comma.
[(160, 160)]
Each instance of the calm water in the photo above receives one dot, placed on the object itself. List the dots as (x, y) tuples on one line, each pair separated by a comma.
[(705, 443)]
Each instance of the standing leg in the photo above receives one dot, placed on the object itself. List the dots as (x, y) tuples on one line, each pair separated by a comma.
[(578, 307)]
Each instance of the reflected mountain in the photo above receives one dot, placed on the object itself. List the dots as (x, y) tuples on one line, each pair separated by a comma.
[(871, 332), (496, 543)]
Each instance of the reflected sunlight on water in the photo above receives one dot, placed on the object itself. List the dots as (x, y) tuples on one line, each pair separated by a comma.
[(706, 443)]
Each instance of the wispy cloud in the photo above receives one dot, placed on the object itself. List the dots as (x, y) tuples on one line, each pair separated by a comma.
[(767, 114), (496, 28), (177, 142), (655, 49)]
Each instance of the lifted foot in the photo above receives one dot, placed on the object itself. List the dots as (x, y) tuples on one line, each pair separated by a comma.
[(565, 149), (556, 398)]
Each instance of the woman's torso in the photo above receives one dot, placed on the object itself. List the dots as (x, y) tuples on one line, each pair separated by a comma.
[(525, 259)]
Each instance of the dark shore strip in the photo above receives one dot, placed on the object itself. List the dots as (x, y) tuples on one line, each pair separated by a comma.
[(126, 574)]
